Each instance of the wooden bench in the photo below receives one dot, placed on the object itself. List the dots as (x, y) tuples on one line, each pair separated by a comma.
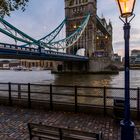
[(56, 133)]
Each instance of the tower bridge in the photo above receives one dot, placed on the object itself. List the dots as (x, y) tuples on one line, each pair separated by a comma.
[(84, 31), (96, 40)]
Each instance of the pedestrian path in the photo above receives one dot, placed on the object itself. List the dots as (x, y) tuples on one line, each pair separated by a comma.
[(13, 123)]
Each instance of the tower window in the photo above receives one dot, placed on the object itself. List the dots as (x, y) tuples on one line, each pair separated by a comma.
[(76, 2)]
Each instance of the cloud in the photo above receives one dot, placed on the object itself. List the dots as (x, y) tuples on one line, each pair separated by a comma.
[(132, 43), (119, 43)]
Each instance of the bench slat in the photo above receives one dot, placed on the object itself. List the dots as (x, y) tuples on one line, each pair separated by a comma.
[(40, 135), (45, 131), (56, 133), (77, 137)]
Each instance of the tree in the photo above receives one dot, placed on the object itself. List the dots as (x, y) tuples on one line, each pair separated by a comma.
[(7, 6)]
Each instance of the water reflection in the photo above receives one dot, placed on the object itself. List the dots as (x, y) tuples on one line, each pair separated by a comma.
[(83, 80)]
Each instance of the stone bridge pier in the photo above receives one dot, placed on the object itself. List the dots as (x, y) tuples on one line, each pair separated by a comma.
[(70, 66), (94, 65)]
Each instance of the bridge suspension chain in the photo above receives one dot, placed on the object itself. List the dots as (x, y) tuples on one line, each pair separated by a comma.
[(18, 35), (70, 40), (51, 36), (9, 30)]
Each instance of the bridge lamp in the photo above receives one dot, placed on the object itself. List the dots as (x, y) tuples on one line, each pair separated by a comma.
[(74, 26), (126, 9)]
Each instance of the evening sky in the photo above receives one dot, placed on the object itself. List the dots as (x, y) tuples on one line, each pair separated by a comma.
[(42, 16)]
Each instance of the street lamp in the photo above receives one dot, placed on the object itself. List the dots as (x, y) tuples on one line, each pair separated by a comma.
[(126, 9)]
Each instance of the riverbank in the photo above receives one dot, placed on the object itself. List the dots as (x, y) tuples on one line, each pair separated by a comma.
[(134, 68), (80, 72)]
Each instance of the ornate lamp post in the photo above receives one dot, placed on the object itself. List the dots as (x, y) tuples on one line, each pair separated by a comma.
[(126, 9)]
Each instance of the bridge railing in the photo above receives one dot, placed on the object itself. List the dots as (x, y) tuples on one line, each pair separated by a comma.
[(36, 50), (16, 47), (75, 96)]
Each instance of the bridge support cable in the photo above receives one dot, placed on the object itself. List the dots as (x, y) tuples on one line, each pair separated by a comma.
[(51, 36), (70, 40), (85, 46), (21, 36), (13, 36)]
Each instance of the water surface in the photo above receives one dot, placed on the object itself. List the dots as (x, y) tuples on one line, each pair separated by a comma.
[(45, 77)]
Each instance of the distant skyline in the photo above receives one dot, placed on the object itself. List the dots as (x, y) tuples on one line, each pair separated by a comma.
[(42, 16)]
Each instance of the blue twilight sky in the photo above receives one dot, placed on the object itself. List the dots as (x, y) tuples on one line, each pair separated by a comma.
[(42, 16)]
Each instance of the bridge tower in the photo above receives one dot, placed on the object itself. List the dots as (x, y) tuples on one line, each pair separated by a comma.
[(75, 11), (96, 40)]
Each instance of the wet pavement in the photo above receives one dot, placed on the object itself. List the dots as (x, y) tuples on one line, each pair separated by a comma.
[(13, 123)]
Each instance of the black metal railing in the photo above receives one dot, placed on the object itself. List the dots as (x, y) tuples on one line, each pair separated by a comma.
[(102, 97)]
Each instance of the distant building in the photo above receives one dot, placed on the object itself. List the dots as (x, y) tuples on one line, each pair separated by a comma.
[(137, 60), (36, 63), (116, 58), (9, 63), (135, 53), (135, 57)]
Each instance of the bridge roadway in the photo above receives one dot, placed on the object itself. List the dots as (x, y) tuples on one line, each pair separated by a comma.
[(10, 51)]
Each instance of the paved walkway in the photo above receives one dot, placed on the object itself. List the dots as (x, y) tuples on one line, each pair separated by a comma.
[(13, 123)]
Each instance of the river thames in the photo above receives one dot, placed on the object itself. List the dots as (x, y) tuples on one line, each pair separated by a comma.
[(45, 77)]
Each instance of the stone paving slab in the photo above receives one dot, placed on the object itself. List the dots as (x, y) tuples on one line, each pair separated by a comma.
[(13, 123)]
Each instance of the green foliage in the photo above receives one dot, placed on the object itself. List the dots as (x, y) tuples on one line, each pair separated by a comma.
[(6, 6)]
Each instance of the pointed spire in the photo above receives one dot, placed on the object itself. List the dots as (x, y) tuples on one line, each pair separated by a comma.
[(110, 23), (102, 16)]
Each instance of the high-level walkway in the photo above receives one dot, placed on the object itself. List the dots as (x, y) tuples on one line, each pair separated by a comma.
[(13, 123)]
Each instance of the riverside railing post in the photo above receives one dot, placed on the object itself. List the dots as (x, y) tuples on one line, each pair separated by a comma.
[(60, 134), (75, 99), (138, 103), (104, 101), (39, 48), (29, 95), (19, 91), (10, 96), (51, 98), (127, 126)]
